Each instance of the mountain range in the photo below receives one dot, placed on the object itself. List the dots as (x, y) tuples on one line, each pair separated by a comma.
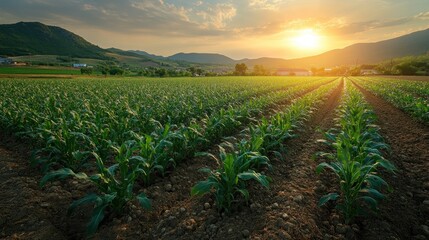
[(34, 38)]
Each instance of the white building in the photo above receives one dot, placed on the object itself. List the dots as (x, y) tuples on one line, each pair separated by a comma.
[(79, 65), (5, 60), (369, 72)]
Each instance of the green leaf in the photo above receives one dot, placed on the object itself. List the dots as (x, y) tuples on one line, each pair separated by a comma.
[(329, 197), (85, 200), (375, 181), (373, 193), (322, 166), (244, 192), (61, 174), (370, 201), (202, 187), (205, 170), (262, 179), (144, 201), (387, 165), (96, 218)]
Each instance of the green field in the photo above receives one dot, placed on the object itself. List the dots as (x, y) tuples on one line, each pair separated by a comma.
[(126, 134), (38, 70)]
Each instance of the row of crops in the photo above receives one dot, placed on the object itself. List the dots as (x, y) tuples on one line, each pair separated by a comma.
[(248, 156), (355, 156), (410, 96), (122, 131)]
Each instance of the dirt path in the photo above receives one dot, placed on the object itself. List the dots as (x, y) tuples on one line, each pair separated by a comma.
[(405, 213)]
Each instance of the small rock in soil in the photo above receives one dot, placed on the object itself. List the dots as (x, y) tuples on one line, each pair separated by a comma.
[(289, 226), (298, 199), (206, 205), (285, 216), (355, 228), (155, 194), (213, 227), (190, 224), (341, 229), (168, 187), (275, 205), (45, 205), (327, 237), (253, 206), (245, 233), (182, 209), (284, 235)]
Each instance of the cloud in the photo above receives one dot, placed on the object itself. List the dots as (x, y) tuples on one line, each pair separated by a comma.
[(128, 16), (217, 15), (265, 4), (341, 27), (423, 16)]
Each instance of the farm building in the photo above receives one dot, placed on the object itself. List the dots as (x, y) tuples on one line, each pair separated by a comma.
[(5, 60), (293, 72), (369, 72), (79, 65)]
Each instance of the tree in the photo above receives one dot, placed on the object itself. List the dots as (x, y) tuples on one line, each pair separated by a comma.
[(116, 71), (161, 72), (406, 68), (86, 70), (240, 69), (259, 70)]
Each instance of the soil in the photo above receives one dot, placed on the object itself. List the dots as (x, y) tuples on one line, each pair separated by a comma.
[(405, 213), (287, 210)]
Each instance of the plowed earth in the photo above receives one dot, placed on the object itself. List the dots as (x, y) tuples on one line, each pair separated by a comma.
[(287, 210)]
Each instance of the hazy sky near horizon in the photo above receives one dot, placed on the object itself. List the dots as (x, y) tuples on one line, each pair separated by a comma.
[(238, 29)]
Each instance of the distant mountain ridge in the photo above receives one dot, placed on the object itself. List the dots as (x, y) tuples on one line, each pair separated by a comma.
[(146, 54), (34, 38), (416, 43), (207, 58)]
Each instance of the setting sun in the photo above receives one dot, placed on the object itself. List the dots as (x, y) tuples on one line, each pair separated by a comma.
[(307, 39)]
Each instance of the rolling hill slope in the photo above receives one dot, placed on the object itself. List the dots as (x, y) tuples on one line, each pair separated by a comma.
[(34, 38), (206, 58)]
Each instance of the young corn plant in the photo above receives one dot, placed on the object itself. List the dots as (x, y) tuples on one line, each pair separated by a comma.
[(154, 158), (115, 184), (356, 157), (229, 181)]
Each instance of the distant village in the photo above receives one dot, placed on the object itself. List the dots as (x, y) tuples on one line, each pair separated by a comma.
[(361, 70)]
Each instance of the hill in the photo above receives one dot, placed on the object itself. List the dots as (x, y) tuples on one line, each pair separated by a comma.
[(206, 58), (146, 54), (416, 43), (34, 38)]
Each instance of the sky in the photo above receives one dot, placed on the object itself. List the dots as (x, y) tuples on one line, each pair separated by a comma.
[(236, 28)]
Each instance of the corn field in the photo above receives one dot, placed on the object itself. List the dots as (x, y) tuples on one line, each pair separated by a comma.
[(122, 137)]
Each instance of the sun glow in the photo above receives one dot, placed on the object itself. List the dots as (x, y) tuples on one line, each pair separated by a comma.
[(307, 39)]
